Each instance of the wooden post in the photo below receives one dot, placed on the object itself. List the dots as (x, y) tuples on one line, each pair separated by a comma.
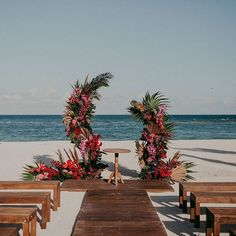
[(116, 168)]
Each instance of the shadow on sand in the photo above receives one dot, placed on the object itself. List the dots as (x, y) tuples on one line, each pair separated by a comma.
[(178, 223), (211, 160), (217, 151), (46, 159), (124, 170)]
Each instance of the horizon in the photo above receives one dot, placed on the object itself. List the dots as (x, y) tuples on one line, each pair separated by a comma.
[(118, 114), (184, 49)]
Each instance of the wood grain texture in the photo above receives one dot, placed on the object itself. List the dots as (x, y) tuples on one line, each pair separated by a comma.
[(8, 231), (186, 187), (24, 216), (29, 198), (98, 184), (197, 198), (51, 185), (117, 212), (215, 216)]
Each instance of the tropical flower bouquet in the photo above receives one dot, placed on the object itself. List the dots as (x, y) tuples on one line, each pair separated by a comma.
[(152, 147), (77, 120)]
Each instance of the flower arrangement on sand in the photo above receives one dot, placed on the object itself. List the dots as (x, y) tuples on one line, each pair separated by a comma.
[(152, 147), (80, 108)]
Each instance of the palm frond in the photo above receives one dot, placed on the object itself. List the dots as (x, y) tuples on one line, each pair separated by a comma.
[(26, 174), (135, 113), (60, 156), (99, 81), (152, 102)]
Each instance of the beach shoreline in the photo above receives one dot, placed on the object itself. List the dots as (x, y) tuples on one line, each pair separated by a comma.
[(215, 161)]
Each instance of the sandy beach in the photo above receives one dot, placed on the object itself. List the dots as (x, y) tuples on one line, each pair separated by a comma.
[(215, 160)]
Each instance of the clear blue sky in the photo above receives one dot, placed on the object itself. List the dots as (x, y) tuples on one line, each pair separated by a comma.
[(186, 49)]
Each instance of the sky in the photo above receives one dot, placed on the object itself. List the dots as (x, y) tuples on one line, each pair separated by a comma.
[(185, 49)]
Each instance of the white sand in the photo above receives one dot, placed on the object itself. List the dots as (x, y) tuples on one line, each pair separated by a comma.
[(215, 159)]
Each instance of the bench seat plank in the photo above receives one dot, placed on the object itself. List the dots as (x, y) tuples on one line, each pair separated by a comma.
[(186, 187), (215, 216), (25, 216), (8, 231), (51, 185), (196, 198), (42, 198)]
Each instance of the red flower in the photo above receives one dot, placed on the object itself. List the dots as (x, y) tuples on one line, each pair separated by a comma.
[(78, 132), (165, 171), (163, 155)]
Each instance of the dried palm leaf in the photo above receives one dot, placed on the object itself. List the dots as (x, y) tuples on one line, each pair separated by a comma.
[(178, 173)]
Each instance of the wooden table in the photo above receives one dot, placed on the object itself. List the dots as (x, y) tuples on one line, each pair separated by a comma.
[(116, 174)]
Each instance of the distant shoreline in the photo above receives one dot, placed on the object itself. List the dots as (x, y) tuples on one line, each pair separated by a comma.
[(28, 128), (127, 114)]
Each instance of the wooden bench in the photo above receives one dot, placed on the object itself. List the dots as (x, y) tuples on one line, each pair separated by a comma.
[(232, 232), (215, 216), (25, 216), (196, 198), (186, 187), (51, 185), (8, 231), (42, 198)]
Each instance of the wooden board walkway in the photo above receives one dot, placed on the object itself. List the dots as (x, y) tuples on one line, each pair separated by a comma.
[(98, 184), (122, 210), (117, 212)]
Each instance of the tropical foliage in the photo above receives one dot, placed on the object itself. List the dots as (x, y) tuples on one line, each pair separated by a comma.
[(77, 120), (152, 147), (80, 108)]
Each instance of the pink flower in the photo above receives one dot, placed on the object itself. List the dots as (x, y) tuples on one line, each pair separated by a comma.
[(39, 177), (73, 123), (151, 149), (150, 159), (151, 138), (162, 109), (46, 175), (82, 147)]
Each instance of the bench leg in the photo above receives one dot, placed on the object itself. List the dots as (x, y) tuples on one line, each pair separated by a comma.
[(180, 196), (208, 224), (48, 207), (25, 227), (33, 226), (184, 207), (192, 210), (56, 198), (45, 216), (197, 215), (216, 228)]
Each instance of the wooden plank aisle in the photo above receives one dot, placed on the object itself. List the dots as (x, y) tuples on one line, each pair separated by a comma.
[(117, 212), (98, 184)]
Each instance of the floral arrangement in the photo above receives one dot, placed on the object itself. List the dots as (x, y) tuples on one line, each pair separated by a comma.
[(58, 170), (77, 120), (152, 147), (79, 111)]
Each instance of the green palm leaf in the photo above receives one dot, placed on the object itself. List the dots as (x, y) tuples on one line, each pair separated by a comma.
[(99, 81)]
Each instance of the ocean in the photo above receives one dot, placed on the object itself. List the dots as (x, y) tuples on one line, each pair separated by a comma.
[(115, 127)]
